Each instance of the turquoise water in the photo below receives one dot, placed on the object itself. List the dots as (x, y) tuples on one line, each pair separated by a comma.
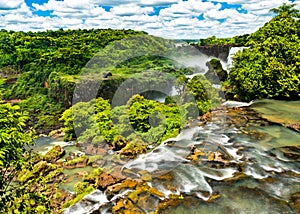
[(269, 176)]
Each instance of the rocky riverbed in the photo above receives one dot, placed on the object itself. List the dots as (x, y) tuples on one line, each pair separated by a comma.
[(233, 160)]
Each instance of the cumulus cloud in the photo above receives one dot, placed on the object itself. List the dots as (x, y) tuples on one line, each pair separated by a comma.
[(138, 2), (188, 9), (166, 18), (10, 4), (130, 10)]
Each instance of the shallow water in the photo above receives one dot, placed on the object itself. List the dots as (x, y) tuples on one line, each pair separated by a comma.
[(254, 148), (270, 176), (279, 111)]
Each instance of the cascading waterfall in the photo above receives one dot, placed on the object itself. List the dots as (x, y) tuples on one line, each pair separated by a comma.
[(232, 52), (256, 172)]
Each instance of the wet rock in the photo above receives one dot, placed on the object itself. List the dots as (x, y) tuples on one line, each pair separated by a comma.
[(166, 177), (58, 133), (42, 168), (82, 173), (206, 117), (236, 177), (147, 202), (295, 201), (89, 204), (145, 175), (98, 163), (295, 127), (167, 203), (142, 198), (90, 150), (119, 143), (101, 151), (292, 152), (54, 154), (117, 173), (79, 162), (213, 197), (127, 184), (215, 71), (71, 156), (134, 148), (126, 206), (104, 180)]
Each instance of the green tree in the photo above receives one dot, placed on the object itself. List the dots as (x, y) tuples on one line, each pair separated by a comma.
[(13, 140), (270, 67), (288, 9)]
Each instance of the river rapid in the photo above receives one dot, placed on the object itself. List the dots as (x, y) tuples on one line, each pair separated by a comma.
[(232, 160)]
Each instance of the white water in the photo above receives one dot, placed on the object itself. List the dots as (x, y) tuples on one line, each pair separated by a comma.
[(231, 54), (89, 204), (236, 104), (260, 162), (171, 156)]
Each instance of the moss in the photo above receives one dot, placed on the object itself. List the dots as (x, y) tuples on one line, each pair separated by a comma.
[(124, 185), (77, 160), (54, 154), (92, 177), (81, 189), (133, 148)]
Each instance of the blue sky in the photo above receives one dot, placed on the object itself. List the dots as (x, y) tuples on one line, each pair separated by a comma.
[(192, 19)]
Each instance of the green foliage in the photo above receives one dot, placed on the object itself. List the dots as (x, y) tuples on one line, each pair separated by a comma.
[(81, 189), (236, 40), (62, 49), (287, 10), (89, 120), (29, 193), (43, 113), (140, 118), (216, 74), (61, 87), (54, 154), (77, 160), (13, 139), (270, 67), (198, 90), (134, 148), (148, 120)]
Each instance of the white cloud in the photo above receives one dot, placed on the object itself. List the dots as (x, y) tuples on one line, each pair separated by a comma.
[(10, 4), (179, 19), (261, 7), (221, 14), (137, 2), (158, 2), (231, 1), (130, 10), (187, 9), (62, 5)]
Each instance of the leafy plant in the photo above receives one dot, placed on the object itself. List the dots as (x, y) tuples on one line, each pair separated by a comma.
[(269, 68)]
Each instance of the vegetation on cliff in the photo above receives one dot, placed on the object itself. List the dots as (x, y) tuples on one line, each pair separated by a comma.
[(270, 67), (240, 40), (41, 67)]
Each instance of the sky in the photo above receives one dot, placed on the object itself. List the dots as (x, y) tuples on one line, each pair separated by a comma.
[(175, 19)]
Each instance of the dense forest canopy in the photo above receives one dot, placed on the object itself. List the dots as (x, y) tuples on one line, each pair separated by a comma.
[(41, 70)]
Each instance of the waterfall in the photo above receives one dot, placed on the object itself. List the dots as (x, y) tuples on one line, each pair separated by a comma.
[(232, 52)]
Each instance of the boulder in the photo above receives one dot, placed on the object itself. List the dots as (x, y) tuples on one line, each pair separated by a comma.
[(54, 154)]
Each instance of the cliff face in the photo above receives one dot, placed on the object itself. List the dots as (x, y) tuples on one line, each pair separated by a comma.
[(219, 51)]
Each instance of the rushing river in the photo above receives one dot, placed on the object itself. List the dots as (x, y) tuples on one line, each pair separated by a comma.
[(258, 170)]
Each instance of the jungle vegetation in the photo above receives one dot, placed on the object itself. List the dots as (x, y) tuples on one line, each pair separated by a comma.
[(39, 71)]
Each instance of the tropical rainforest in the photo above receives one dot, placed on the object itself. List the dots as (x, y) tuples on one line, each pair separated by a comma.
[(40, 72)]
